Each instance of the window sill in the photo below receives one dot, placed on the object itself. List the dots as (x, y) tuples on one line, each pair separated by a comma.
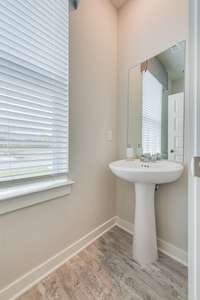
[(24, 195)]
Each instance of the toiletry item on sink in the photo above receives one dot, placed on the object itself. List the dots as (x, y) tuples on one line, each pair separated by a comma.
[(130, 152), (139, 150)]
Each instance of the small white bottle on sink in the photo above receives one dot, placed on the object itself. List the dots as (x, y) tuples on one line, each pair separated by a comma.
[(130, 152)]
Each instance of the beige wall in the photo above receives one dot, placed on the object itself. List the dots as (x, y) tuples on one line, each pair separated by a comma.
[(158, 70), (146, 28), (30, 236), (177, 86)]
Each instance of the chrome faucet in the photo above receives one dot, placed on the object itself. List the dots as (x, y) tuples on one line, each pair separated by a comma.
[(148, 157)]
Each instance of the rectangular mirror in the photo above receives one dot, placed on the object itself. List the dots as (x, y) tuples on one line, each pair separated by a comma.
[(156, 105)]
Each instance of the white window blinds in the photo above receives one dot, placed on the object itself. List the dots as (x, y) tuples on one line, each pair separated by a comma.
[(33, 88), (151, 114)]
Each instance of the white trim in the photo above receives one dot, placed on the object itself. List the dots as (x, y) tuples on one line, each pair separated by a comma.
[(28, 194), (125, 225), (28, 280), (172, 251), (164, 247), (25, 188), (194, 150), (24, 283)]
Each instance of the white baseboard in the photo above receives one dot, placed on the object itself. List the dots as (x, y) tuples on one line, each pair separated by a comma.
[(174, 252), (164, 247), (125, 225), (24, 283)]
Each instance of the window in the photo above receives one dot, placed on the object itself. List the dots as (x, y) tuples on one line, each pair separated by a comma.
[(33, 88), (151, 114)]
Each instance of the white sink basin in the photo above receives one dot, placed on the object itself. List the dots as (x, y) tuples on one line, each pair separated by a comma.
[(158, 172), (146, 176)]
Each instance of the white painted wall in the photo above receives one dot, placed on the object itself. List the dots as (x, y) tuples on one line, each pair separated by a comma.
[(30, 236), (147, 28)]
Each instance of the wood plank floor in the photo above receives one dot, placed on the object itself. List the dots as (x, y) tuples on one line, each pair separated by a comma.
[(105, 270)]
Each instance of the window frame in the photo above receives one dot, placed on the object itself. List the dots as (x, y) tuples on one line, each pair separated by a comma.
[(21, 193)]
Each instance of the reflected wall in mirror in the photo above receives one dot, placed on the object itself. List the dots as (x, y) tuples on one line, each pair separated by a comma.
[(156, 105)]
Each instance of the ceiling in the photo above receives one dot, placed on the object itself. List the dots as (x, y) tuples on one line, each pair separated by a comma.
[(118, 3), (174, 61)]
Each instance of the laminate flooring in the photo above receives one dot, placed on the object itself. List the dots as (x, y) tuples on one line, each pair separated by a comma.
[(105, 270)]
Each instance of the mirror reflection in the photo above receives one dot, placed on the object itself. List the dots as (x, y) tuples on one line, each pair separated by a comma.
[(156, 105)]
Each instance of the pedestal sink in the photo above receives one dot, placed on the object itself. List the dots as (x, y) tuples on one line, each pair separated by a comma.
[(146, 176)]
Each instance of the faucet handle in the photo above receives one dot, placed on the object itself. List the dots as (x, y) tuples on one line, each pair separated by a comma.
[(154, 157), (146, 157), (159, 156)]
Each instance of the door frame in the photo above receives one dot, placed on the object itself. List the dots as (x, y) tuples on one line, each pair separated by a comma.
[(193, 143)]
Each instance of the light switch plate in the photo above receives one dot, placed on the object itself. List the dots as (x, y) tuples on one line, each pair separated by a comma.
[(109, 135)]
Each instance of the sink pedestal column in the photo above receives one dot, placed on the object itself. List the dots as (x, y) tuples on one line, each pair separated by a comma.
[(145, 238)]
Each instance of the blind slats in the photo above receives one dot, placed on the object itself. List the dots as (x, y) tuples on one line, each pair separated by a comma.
[(151, 113), (43, 153), (34, 72), (32, 163), (32, 89), (29, 129), (37, 19), (15, 18), (8, 74), (46, 8), (32, 96), (31, 123), (29, 110), (28, 61), (32, 158), (26, 45), (20, 114)]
